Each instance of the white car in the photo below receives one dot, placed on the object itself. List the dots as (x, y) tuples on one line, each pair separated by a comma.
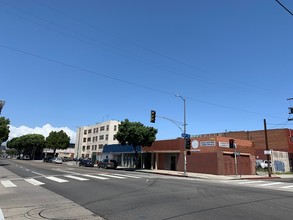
[(265, 163), (57, 160)]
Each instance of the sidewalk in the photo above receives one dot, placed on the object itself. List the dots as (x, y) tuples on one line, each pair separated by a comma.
[(30, 202), (260, 175)]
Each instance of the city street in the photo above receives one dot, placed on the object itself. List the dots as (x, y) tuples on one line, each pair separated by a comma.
[(119, 194)]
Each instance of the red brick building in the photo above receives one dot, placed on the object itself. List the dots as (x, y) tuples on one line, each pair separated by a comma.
[(210, 155), (278, 140)]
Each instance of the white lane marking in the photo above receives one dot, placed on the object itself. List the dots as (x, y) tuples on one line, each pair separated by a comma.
[(27, 170), (124, 175), (56, 179), (287, 187), (1, 215), (96, 177), (271, 184), (34, 182), (249, 182), (8, 183), (37, 173), (76, 178), (112, 176)]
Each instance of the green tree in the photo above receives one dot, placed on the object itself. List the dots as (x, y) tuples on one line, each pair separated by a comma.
[(135, 134), (15, 143), (11, 152), (29, 144), (33, 143), (4, 129), (57, 140)]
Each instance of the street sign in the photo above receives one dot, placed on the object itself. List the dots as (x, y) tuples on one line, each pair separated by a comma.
[(268, 152), (185, 135)]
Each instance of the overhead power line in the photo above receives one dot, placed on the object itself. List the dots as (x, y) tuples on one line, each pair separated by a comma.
[(285, 7), (124, 81)]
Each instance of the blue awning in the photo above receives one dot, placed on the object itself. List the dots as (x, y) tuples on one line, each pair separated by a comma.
[(119, 148)]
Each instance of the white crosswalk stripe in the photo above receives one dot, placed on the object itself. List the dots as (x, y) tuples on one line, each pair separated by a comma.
[(7, 183), (56, 179), (96, 177), (271, 184), (34, 182), (126, 175), (112, 176), (79, 177), (76, 178), (262, 184)]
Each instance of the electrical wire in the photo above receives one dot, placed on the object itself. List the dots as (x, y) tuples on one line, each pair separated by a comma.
[(122, 80), (284, 7), (103, 46)]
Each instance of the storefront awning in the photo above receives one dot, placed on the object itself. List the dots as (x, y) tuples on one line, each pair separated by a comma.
[(119, 148)]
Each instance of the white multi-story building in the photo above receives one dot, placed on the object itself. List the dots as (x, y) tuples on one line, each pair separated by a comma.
[(90, 140)]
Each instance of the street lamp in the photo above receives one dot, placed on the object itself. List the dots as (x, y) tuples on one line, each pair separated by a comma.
[(184, 132), (2, 103), (78, 142)]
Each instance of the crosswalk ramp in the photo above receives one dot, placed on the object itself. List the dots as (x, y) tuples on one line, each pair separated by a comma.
[(265, 184), (37, 181)]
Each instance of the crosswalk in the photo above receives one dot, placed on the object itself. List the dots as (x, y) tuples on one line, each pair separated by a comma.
[(65, 178), (264, 184)]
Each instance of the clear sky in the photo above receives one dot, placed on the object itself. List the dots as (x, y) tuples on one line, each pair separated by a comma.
[(68, 63)]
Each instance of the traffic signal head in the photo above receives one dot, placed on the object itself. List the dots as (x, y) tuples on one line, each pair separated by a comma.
[(231, 143), (153, 116), (187, 143)]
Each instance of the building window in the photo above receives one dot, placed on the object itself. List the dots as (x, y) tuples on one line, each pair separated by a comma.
[(101, 137), (94, 130), (97, 130), (88, 139), (102, 128), (84, 139), (107, 128), (107, 136), (88, 147), (100, 146), (83, 148), (85, 132), (115, 127), (93, 147), (89, 131)]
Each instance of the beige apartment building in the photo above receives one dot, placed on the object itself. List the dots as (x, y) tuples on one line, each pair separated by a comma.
[(91, 139)]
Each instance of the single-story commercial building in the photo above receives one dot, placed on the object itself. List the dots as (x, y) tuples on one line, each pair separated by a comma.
[(210, 155)]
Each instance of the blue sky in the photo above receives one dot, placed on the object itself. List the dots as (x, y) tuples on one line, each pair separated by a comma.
[(76, 63)]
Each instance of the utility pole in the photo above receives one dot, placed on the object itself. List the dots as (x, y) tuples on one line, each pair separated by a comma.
[(184, 132), (267, 148), (290, 111)]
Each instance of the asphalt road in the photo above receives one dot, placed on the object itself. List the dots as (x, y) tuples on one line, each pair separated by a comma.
[(118, 194)]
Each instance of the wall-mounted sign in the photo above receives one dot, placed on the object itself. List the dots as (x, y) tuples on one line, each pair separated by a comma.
[(223, 144), (208, 143), (194, 144)]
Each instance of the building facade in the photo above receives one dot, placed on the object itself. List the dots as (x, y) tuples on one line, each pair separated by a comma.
[(278, 140), (210, 155), (90, 140)]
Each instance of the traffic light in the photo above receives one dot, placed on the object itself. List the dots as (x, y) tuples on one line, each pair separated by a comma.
[(153, 116), (187, 143), (231, 143)]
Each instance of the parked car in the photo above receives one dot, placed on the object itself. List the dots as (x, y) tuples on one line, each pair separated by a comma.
[(107, 163), (57, 160), (265, 163), (48, 159), (86, 163)]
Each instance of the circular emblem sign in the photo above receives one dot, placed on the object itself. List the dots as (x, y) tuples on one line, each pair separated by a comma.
[(194, 144)]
